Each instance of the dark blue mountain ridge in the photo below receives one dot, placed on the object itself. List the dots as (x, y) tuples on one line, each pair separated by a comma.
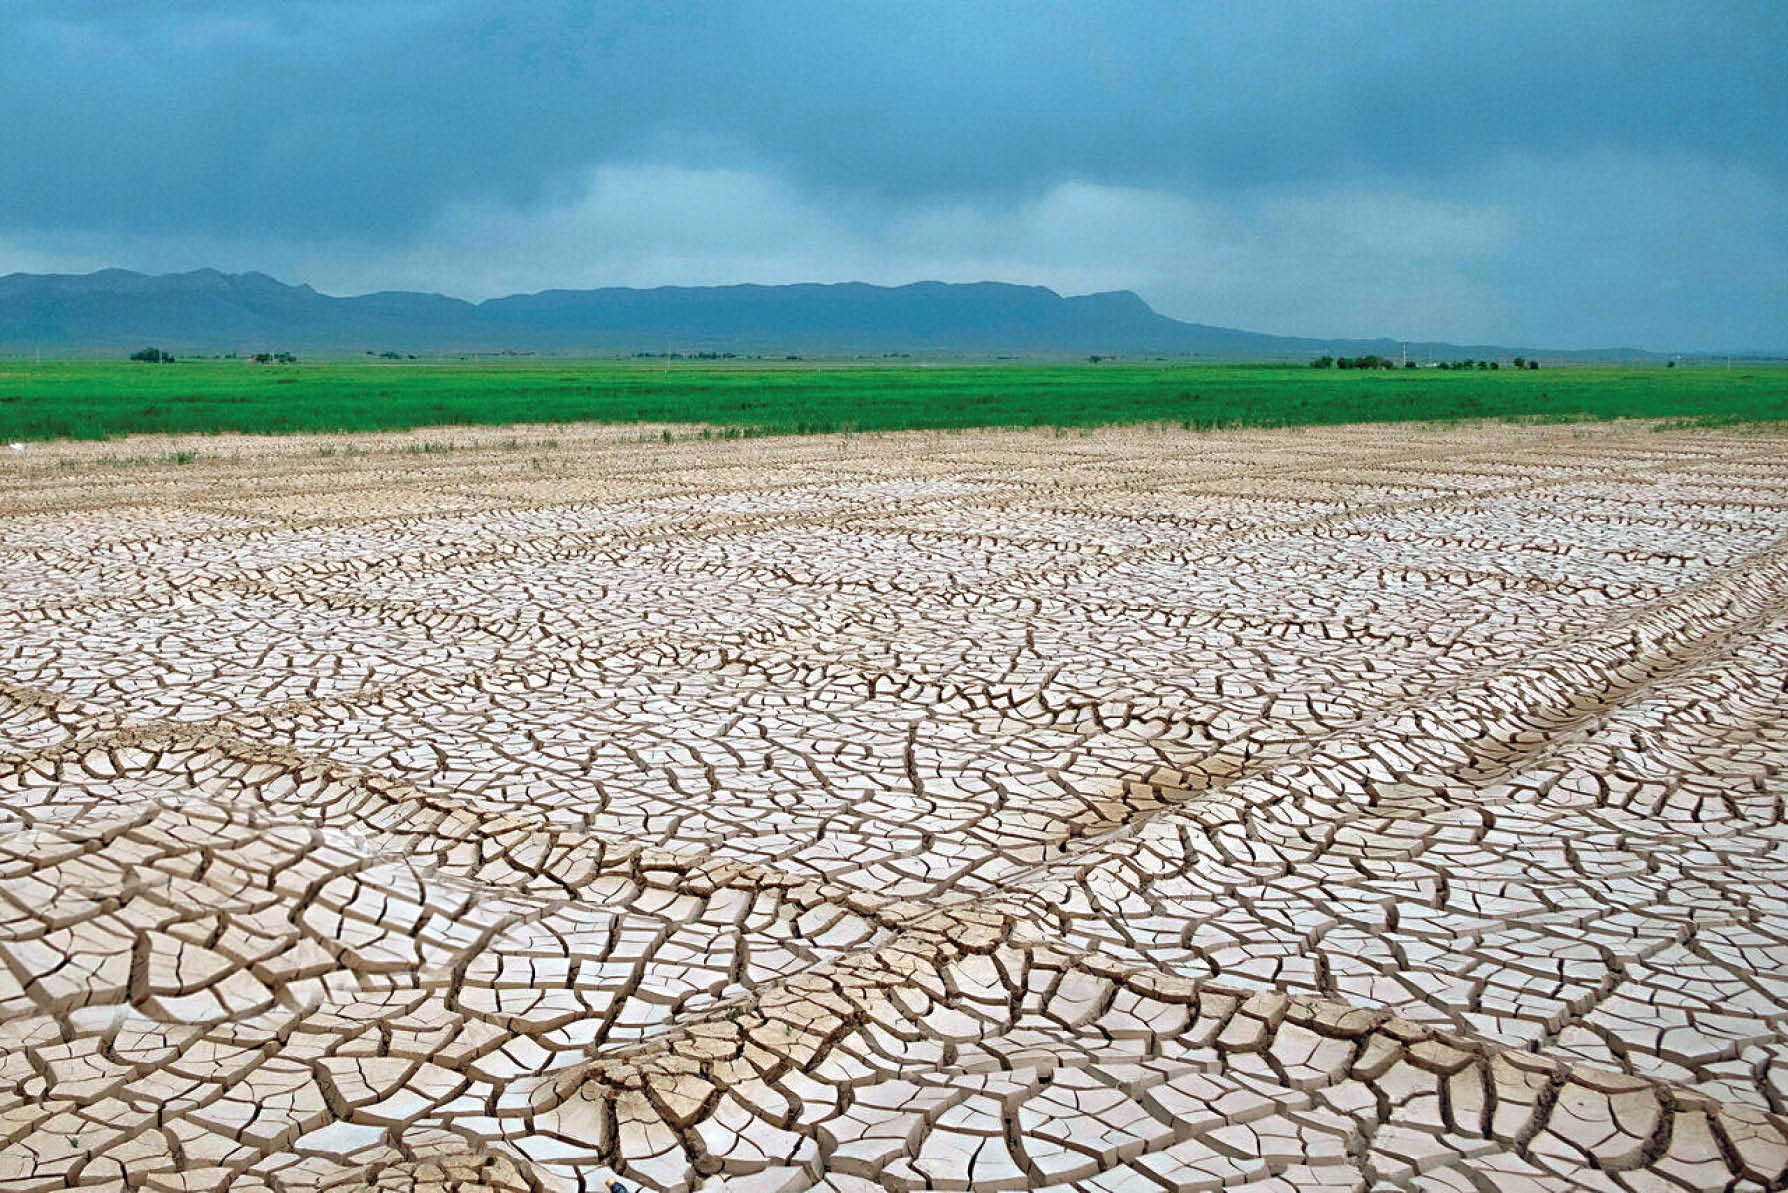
[(209, 311)]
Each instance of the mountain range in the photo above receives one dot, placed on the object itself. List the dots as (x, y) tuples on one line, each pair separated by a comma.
[(207, 311)]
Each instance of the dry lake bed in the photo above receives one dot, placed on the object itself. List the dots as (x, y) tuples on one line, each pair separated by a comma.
[(1348, 809)]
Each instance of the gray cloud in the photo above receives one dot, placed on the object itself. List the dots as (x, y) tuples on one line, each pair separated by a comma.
[(1581, 172)]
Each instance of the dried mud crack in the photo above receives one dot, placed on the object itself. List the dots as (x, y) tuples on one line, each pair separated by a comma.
[(1354, 809)]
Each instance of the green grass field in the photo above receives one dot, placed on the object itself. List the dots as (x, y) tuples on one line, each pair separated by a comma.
[(93, 400)]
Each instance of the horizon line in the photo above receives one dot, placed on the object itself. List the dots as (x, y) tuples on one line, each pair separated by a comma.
[(1744, 352)]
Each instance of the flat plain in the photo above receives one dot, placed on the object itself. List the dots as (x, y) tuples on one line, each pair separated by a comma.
[(96, 399), (1355, 808)]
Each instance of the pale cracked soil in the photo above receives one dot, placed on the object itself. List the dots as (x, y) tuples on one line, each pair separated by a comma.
[(1338, 809)]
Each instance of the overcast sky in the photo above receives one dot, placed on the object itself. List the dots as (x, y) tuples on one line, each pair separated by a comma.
[(1554, 173)]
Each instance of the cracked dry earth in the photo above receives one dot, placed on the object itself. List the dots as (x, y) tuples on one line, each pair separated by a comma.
[(1329, 810)]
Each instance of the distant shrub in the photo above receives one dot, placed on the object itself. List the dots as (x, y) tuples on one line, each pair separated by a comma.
[(154, 356)]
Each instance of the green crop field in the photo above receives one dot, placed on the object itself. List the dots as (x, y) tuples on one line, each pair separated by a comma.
[(92, 400)]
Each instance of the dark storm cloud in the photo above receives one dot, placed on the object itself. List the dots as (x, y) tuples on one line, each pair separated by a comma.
[(347, 117), (319, 122)]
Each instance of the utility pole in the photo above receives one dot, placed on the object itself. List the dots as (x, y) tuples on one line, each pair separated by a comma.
[(1406, 354)]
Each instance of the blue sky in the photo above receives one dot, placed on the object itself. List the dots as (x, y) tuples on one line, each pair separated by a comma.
[(1559, 174)]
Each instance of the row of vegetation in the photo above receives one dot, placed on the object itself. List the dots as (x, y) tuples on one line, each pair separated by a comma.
[(1375, 361), (99, 399), (1370, 361), (157, 356)]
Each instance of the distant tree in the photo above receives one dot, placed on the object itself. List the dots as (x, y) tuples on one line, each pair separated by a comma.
[(1533, 364), (1520, 362), (1669, 364), (1323, 362), (154, 356), (1495, 365), (1409, 364), (1093, 360)]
